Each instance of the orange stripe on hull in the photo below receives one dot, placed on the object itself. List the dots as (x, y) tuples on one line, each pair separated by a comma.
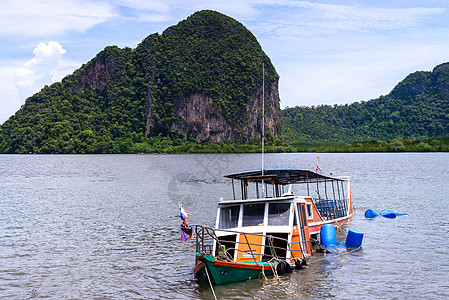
[(237, 265)]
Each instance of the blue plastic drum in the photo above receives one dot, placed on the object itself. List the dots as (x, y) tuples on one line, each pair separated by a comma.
[(328, 235), (354, 238)]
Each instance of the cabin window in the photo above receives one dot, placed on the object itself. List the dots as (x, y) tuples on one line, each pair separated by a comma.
[(275, 246), (278, 214), (309, 211), (253, 214), (228, 243), (229, 217)]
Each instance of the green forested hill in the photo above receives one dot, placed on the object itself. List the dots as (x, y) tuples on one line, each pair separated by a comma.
[(418, 107), (124, 100)]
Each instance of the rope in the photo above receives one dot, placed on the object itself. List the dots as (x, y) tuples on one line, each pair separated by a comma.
[(273, 268), (208, 278), (347, 252), (263, 273), (339, 226), (222, 251), (228, 256)]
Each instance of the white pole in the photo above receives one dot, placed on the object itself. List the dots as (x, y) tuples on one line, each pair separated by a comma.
[(263, 125), (263, 114)]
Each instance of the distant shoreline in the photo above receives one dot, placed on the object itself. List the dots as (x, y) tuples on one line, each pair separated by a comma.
[(166, 146)]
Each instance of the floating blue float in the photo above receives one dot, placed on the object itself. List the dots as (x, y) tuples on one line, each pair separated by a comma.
[(369, 213), (328, 235), (354, 238), (388, 213)]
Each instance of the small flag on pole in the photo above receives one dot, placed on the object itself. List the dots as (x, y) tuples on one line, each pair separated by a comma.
[(183, 213), (185, 228)]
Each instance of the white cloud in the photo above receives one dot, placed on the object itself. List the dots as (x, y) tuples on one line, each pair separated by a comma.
[(9, 100), (152, 18), (16, 84), (242, 10), (52, 17), (148, 5), (152, 11), (305, 18), (40, 70)]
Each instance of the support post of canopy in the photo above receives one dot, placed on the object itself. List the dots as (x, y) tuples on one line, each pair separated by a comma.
[(308, 188), (333, 202)]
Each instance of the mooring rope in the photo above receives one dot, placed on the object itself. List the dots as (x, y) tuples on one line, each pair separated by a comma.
[(273, 268), (263, 273), (323, 258), (208, 278)]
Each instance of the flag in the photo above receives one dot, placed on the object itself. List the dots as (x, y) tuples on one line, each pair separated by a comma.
[(183, 212), (185, 229), (317, 168), (183, 236)]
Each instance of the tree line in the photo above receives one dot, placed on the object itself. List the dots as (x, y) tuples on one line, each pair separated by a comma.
[(417, 108)]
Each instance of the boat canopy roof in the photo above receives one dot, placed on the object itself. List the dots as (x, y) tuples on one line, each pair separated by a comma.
[(283, 176)]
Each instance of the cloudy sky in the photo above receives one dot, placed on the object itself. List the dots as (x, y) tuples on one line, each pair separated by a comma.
[(326, 52)]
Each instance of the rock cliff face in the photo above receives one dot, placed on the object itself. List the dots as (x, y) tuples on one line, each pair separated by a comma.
[(96, 76), (201, 118)]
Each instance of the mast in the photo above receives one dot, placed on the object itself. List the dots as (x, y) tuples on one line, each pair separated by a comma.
[(263, 125), (263, 113)]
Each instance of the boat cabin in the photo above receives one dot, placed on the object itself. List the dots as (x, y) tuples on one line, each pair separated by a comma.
[(277, 213)]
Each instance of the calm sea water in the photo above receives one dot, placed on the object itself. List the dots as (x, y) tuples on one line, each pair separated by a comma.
[(106, 227)]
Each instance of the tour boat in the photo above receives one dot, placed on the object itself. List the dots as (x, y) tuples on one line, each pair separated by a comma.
[(272, 225)]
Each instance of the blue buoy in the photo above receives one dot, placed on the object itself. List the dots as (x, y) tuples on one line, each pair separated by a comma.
[(328, 235), (389, 213), (354, 238), (369, 213)]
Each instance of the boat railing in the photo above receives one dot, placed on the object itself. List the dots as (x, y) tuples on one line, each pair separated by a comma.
[(331, 209), (205, 236)]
